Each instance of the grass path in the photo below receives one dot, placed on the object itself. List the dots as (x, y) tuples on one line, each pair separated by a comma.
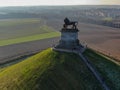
[(29, 38)]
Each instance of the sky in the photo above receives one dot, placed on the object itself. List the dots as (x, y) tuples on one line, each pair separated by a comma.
[(111, 2), (57, 2)]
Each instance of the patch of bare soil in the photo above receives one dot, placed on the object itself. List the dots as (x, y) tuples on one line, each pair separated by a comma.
[(101, 38), (11, 52)]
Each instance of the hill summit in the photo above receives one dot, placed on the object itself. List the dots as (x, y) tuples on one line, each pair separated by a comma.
[(49, 70)]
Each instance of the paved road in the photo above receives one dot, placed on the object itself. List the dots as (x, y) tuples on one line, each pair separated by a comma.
[(13, 51)]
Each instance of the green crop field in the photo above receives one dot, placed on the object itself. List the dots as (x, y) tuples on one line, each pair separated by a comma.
[(29, 38), (14, 31), (109, 70)]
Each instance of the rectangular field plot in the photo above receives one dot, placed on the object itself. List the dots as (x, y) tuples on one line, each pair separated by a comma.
[(14, 28), (29, 38), (14, 31)]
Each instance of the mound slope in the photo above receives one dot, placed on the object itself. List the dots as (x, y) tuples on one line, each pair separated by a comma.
[(49, 70), (108, 68)]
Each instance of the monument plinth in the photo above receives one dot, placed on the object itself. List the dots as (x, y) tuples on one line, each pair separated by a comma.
[(69, 37)]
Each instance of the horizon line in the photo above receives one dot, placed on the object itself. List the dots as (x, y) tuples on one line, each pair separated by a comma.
[(62, 5)]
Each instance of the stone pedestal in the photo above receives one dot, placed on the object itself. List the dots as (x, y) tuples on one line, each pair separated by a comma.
[(69, 39)]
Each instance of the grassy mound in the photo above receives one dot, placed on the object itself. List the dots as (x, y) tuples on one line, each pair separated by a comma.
[(49, 70), (109, 70)]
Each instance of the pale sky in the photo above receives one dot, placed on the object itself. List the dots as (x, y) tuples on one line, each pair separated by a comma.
[(111, 2), (56, 2)]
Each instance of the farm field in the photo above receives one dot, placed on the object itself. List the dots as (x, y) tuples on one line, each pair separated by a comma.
[(15, 28), (11, 52), (14, 31), (29, 38), (101, 38)]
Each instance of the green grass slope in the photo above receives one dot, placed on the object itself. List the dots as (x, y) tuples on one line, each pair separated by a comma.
[(49, 70), (108, 69)]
